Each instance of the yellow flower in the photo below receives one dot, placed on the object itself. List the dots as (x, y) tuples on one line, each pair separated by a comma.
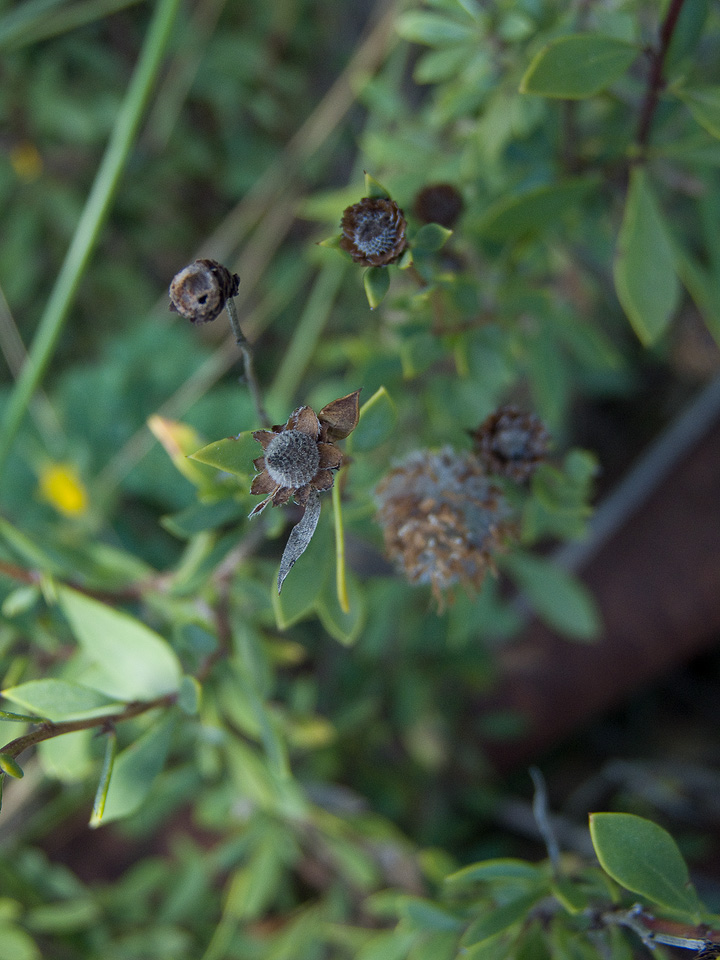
[(62, 488), (26, 161)]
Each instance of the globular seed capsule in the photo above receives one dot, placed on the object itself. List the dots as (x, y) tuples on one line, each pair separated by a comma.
[(200, 291)]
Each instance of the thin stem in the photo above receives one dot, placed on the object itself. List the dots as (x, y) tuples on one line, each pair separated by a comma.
[(340, 578), (91, 221), (246, 351), (48, 730), (542, 819), (656, 80)]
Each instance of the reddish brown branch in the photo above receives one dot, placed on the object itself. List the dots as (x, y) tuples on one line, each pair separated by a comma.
[(656, 81), (47, 730)]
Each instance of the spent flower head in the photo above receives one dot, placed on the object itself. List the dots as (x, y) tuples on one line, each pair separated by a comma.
[(442, 519), (373, 232), (300, 456), (511, 443), (200, 291)]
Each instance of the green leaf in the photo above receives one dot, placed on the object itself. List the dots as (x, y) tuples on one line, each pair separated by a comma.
[(103, 786), (425, 915), (136, 768), (643, 858), (378, 416), (204, 516), (345, 627), (189, 696), (577, 66), (430, 238), (704, 105), (505, 868), (534, 210), (28, 551), (377, 284), (16, 944), (63, 917), (432, 29), (232, 454), (644, 271), (10, 766), (60, 700), (301, 590), (498, 919), (68, 758), (373, 188), (388, 945), (128, 660), (20, 717), (558, 598)]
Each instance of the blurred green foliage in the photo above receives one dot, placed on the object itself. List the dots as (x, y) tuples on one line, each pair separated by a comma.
[(285, 777)]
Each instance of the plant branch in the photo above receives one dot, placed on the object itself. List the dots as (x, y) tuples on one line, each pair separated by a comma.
[(656, 80), (246, 351), (47, 729)]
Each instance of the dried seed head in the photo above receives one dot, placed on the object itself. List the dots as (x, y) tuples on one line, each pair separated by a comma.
[(374, 232), (442, 519), (510, 443), (200, 291), (439, 203), (300, 458), (292, 458)]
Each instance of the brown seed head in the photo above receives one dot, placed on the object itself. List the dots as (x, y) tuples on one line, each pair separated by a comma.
[(439, 203), (374, 232), (442, 519), (510, 443), (300, 456), (199, 291)]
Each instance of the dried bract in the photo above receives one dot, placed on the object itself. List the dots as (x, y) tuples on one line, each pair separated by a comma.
[(439, 203), (373, 232), (442, 519), (200, 291), (300, 456), (510, 443)]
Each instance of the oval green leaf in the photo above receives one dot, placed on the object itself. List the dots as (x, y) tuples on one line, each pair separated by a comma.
[(60, 700), (643, 858), (505, 868), (500, 918), (377, 284), (577, 66), (561, 600), (136, 768), (10, 766), (432, 29), (127, 659), (704, 104), (377, 420), (231, 454), (534, 209), (430, 238), (644, 270)]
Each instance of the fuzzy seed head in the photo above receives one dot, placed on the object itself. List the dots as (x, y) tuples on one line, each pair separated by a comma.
[(374, 231), (292, 458), (441, 517)]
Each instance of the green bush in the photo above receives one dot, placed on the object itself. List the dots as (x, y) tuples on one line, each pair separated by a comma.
[(290, 773)]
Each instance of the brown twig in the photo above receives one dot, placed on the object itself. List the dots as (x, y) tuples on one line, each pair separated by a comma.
[(656, 81), (47, 729)]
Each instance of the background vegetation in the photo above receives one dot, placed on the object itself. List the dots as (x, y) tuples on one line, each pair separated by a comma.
[(300, 776)]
